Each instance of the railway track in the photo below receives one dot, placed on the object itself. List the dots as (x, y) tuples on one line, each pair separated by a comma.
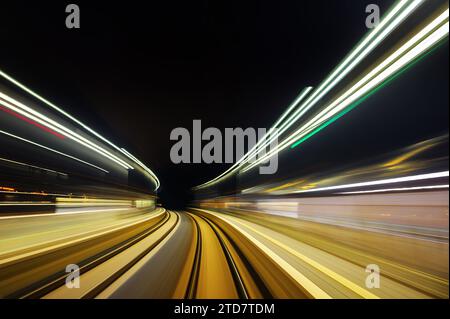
[(43, 264), (213, 266), (193, 254), (214, 260)]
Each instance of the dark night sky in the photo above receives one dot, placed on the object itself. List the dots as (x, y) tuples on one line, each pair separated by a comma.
[(136, 70)]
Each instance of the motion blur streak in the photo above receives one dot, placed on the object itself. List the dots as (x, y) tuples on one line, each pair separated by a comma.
[(31, 122), (381, 74), (52, 150), (421, 46), (369, 43), (46, 121), (381, 182), (231, 252), (34, 94), (397, 189), (324, 228), (28, 165), (317, 228)]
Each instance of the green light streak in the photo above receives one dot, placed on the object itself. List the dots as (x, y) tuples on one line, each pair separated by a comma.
[(362, 99)]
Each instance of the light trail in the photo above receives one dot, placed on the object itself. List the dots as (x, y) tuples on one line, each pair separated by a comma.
[(380, 182), (388, 24), (37, 96), (400, 189), (23, 118), (26, 203), (60, 213), (148, 170), (32, 193), (402, 57), (33, 166), (57, 127), (53, 150), (334, 107), (393, 19), (10, 190)]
